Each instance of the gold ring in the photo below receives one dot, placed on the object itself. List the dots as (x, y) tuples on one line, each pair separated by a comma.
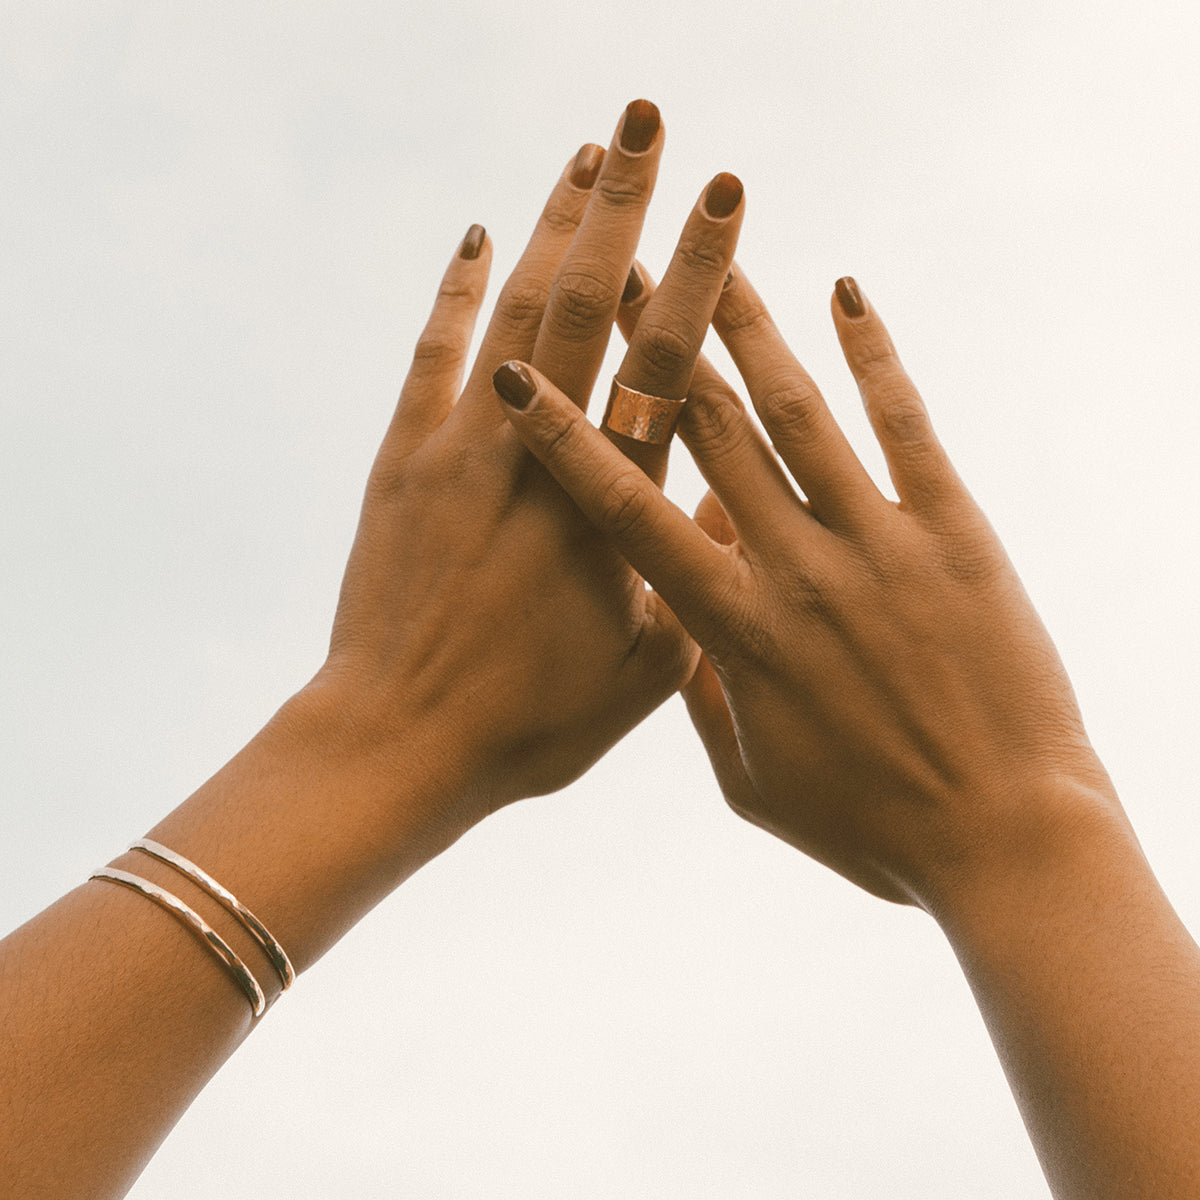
[(642, 417)]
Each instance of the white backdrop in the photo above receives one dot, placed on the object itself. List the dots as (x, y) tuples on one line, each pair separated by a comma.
[(222, 227)]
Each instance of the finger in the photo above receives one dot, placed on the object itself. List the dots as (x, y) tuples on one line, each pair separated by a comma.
[(661, 543), (665, 343), (513, 328), (792, 409), (583, 301), (433, 380), (735, 459), (712, 518), (709, 711), (920, 469)]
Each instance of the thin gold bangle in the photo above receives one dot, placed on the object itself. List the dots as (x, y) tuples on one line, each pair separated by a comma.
[(197, 924), (273, 950)]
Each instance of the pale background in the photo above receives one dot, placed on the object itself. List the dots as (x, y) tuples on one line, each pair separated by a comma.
[(222, 227)]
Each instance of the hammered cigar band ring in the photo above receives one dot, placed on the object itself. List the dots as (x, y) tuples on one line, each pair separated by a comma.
[(645, 418)]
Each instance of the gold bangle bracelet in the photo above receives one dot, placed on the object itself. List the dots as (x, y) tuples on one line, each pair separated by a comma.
[(273, 950), (197, 924)]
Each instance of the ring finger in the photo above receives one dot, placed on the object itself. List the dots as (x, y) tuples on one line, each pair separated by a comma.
[(664, 346)]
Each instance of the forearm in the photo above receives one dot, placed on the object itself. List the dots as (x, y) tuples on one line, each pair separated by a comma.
[(1090, 988), (115, 1016)]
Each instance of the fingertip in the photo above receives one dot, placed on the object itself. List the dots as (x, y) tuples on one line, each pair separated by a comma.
[(515, 384), (722, 196), (584, 169), (640, 126), (473, 243), (849, 299)]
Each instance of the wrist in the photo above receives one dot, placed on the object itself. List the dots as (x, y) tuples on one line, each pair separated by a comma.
[(316, 820), (1069, 836)]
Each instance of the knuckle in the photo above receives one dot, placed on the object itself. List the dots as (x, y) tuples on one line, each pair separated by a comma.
[(520, 307), (623, 504), (458, 290), (902, 416), (664, 349), (873, 349), (715, 421), (580, 303), (702, 255), (435, 348), (971, 559), (792, 412), (617, 192), (561, 215), (748, 318), (561, 436)]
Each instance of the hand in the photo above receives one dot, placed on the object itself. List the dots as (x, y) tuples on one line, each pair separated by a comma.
[(483, 624), (876, 688)]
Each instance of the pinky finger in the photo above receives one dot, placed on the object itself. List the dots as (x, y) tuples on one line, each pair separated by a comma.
[(920, 468), (440, 357), (682, 563)]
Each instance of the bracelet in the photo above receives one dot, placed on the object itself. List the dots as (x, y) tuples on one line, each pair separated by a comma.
[(273, 950), (197, 924)]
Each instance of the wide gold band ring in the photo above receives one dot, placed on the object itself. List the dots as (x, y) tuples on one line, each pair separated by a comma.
[(644, 418)]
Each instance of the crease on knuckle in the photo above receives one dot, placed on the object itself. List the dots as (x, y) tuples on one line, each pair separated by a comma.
[(561, 437), (623, 504), (792, 412), (436, 348), (902, 416), (560, 217), (458, 289), (716, 423), (520, 307), (875, 356), (581, 303), (750, 318), (702, 254), (620, 193), (664, 349)]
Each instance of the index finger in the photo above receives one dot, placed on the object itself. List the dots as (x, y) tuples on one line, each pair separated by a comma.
[(691, 572)]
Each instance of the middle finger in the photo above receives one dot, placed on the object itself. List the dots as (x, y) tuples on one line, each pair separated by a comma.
[(587, 289)]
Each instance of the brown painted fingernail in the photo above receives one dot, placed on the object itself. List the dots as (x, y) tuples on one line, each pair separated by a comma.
[(634, 286), (587, 166), (849, 297), (473, 242), (641, 123), (723, 196), (515, 384)]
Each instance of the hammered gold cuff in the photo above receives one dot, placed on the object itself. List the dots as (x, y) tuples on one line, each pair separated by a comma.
[(202, 879), (645, 418), (197, 924)]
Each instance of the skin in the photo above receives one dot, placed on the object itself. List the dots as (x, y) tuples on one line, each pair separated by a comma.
[(488, 645), (877, 690)]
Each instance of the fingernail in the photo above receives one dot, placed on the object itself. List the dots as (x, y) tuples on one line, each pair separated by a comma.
[(639, 126), (850, 298), (514, 384), (728, 281), (587, 166), (723, 196), (634, 286), (473, 242)]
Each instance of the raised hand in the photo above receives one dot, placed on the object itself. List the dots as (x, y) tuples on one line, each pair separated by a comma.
[(480, 612), (877, 691)]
